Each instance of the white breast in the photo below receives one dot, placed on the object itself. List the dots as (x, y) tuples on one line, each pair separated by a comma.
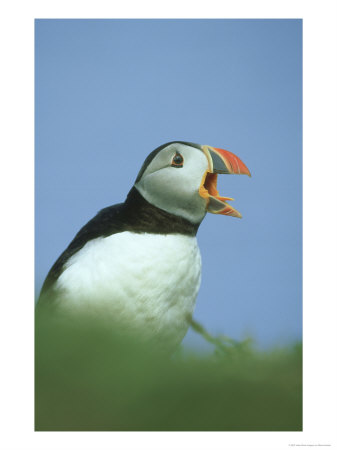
[(144, 281)]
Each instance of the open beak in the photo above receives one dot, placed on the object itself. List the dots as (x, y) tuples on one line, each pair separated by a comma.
[(220, 161)]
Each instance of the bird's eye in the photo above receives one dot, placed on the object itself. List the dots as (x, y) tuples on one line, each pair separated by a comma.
[(177, 160)]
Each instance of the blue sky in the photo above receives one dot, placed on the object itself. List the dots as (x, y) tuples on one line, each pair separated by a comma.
[(110, 91)]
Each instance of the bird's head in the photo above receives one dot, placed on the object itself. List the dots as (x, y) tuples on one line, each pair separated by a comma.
[(181, 178)]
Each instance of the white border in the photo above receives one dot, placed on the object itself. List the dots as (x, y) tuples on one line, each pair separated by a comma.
[(320, 249)]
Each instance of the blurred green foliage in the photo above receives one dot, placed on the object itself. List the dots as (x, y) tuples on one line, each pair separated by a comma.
[(88, 378)]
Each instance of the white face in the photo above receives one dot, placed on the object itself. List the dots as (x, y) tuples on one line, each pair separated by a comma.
[(176, 189)]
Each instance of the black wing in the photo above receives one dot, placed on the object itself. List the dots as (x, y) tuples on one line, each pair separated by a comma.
[(105, 223)]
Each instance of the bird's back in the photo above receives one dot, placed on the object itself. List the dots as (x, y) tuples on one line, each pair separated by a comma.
[(105, 223)]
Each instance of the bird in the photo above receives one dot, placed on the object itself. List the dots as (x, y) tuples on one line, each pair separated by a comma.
[(137, 264)]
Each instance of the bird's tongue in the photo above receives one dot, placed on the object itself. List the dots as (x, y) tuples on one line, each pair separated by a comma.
[(217, 204)]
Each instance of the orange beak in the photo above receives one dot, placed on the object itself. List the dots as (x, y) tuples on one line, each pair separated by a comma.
[(220, 161)]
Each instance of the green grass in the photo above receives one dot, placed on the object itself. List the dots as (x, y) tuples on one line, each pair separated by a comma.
[(90, 379)]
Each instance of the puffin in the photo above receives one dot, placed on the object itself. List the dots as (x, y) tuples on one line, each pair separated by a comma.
[(137, 264)]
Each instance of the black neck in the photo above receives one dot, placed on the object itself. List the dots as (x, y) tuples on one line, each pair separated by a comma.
[(141, 216)]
